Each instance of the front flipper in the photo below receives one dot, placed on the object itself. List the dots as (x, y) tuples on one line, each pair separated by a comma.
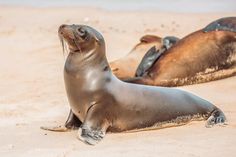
[(90, 136), (72, 123), (148, 60), (152, 56), (94, 127)]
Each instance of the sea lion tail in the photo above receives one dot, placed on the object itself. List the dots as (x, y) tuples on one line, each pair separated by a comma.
[(216, 117)]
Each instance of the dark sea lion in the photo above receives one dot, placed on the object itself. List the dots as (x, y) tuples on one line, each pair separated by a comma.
[(100, 102), (154, 54), (125, 67), (205, 55)]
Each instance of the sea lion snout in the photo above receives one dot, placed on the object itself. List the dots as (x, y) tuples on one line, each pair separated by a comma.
[(75, 32), (62, 26), (60, 29), (66, 31)]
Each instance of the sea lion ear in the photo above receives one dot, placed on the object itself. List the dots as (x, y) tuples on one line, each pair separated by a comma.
[(96, 38)]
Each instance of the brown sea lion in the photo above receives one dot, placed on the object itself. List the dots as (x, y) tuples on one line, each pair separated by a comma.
[(100, 102), (125, 67), (205, 55)]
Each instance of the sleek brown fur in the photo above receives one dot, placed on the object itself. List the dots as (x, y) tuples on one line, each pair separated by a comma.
[(202, 56)]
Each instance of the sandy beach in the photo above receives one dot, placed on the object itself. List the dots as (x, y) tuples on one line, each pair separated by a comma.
[(32, 90)]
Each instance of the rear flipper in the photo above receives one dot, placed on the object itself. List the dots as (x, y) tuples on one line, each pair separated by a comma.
[(217, 117), (72, 123)]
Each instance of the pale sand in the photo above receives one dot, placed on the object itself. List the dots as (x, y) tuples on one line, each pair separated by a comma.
[(32, 89)]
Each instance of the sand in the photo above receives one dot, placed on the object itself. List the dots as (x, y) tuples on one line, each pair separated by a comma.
[(32, 90)]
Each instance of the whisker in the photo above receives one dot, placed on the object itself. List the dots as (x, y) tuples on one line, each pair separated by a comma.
[(64, 46)]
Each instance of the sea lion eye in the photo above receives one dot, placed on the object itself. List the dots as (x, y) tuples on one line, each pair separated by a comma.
[(81, 32)]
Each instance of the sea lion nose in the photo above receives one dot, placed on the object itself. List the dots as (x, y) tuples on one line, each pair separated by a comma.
[(62, 26), (60, 30)]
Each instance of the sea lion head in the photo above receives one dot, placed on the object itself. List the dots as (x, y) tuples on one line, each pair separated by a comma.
[(81, 38)]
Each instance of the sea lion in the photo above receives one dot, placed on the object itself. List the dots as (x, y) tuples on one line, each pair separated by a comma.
[(205, 55), (100, 102), (125, 67)]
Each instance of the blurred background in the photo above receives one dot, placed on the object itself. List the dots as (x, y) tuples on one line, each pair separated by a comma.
[(158, 5)]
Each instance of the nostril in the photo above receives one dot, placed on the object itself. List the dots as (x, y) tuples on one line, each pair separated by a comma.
[(61, 29), (62, 26)]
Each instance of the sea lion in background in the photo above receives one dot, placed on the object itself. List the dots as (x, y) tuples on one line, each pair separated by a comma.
[(205, 55), (100, 102), (125, 67)]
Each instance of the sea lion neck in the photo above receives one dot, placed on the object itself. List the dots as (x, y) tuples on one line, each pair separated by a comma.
[(84, 60)]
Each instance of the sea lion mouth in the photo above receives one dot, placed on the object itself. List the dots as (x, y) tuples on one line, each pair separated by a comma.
[(68, 40)]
